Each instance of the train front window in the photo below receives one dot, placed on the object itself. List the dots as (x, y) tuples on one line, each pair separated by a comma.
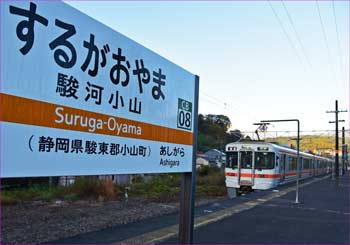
[(264, 160), (246, 159), (232, 160)]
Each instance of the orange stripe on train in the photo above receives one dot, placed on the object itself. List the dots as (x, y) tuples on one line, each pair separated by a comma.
[(266, 176)]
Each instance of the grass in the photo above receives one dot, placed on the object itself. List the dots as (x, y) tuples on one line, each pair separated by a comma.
[(83, 188), (210, 182), (165, 187)]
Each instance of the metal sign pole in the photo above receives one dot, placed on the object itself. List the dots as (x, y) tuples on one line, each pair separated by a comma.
[(298, 164), (298, 152), (188, 183), (343, 150)]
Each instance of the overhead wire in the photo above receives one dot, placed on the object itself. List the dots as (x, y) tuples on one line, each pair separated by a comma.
[(341, 69), (210, 96), (292, 133), (211, 101), (286, 34), (305, 131), (314, 132), (296, 34), (337, 32), (222, 103), (322, 26), (331, 68), (325, 40)]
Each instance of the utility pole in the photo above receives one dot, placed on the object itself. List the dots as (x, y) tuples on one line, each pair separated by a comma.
[(336, 136)]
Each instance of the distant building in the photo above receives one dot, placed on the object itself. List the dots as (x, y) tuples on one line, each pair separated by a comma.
[(201, 161), (215, 157), (120, 179)]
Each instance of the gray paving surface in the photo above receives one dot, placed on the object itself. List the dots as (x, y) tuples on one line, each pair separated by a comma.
[(322, 217)]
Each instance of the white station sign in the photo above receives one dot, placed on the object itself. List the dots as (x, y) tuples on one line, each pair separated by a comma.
[(78, 98)]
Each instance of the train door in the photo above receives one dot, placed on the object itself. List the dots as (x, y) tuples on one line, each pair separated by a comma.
[(246, 168), (283, 167)]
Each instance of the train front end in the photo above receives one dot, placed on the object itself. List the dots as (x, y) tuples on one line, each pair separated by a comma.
[(251, 166)]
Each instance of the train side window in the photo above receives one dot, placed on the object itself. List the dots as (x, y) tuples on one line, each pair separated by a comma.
[(264, 160), (283, 158), (292, 163), (307, 163), (301, 163), (232, 160)]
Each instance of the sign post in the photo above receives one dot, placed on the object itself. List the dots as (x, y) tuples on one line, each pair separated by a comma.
[(188, 186)]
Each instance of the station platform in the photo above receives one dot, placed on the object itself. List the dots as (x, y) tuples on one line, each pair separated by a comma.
[(261, 217), (321, 217)]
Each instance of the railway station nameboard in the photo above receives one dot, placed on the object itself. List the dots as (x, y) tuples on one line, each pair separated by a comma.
[(78, 98)]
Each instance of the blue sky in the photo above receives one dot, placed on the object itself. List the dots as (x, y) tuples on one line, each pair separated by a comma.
[(252, 64)]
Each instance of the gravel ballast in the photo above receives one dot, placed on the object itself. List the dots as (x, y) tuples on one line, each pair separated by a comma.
[(39, 222)]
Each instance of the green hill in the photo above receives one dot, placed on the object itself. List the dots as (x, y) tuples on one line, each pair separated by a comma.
[(313, 143)]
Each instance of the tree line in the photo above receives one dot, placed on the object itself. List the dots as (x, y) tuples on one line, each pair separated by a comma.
[(213, 132)]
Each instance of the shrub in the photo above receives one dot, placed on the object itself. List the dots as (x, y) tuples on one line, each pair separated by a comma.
[(108, 190), (208, 170), (210, 191), (26, 194), (210, 181), (47, 196), (84, 187), (8, 200), (91, 187), (71, 197), (137, 179), (164, 187)]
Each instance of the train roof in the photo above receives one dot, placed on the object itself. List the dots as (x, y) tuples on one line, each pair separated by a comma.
[(276, 147)]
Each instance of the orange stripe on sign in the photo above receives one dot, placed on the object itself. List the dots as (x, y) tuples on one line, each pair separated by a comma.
[(38, 113)]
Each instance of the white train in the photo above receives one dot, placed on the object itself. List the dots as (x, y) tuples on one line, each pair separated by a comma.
[(262, 165)]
